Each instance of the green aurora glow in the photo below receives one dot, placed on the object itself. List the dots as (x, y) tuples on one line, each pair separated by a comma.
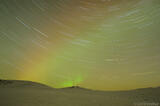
[(97, 44)]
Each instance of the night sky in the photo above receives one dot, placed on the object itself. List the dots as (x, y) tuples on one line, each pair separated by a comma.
[(96, 44)]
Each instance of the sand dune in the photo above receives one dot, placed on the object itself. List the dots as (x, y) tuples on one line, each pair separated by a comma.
[(26, 93)]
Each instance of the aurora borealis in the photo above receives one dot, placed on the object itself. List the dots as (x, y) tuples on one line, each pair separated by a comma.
[(97, 44)]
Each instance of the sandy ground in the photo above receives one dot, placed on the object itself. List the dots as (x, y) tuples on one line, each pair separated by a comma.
[(23, 93)]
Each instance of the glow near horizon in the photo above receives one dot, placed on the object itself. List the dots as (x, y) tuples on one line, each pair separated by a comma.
[(106, 45)]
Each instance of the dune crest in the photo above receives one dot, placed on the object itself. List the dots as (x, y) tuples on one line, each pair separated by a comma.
[(27, 93)]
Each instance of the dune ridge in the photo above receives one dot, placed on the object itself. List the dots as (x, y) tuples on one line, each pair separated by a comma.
[(27, 93)]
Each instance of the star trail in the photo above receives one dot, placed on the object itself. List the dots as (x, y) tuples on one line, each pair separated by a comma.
[(97, 44)]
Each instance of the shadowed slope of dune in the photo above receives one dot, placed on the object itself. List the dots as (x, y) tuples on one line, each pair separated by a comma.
[(26, 93), (21, 84)]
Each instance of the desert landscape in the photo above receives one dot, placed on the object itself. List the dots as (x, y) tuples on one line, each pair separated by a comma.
[(79, 52), (26, 93)]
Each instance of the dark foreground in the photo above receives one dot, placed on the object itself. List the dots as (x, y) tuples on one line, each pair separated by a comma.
[(24, 93)]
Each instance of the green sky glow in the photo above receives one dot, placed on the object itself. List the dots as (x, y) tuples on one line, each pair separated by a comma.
[(97, 44)]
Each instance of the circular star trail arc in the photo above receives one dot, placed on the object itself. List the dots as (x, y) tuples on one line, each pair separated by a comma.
[(97, 44)]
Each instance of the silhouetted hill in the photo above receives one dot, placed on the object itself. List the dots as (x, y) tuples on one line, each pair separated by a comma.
[(27, 93), (19, 83)]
